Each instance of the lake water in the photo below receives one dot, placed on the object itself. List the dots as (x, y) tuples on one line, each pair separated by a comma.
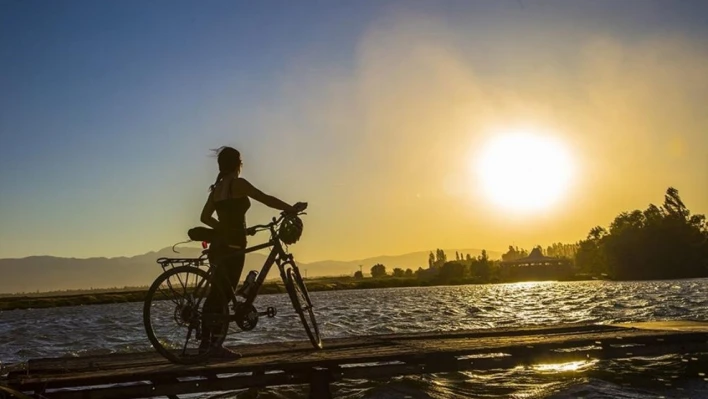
[(26, 334)]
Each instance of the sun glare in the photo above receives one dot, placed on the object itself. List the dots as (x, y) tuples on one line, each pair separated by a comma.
[(524, 171), (579, 365)]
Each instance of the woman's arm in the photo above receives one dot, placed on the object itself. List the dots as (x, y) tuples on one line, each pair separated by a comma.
[(244, 187), (207, 213)]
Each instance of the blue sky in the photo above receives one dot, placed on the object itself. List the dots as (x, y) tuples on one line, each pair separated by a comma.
[(109, 109)]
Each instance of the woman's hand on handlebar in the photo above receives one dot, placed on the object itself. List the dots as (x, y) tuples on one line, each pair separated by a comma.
[(297, 208)]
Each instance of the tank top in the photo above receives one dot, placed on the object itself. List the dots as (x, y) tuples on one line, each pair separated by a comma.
[(231, 212)]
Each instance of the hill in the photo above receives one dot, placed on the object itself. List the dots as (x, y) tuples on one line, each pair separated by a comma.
[(49, 273)]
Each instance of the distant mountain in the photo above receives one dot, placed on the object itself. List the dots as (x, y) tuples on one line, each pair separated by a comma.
[(49, 273)]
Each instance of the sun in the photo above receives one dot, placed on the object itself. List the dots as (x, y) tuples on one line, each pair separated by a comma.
[(524, 171)]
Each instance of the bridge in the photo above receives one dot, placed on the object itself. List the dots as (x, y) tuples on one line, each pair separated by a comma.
[(146, 374)]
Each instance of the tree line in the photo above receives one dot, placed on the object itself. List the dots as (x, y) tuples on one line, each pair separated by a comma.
[(465, 268), (661, 242)]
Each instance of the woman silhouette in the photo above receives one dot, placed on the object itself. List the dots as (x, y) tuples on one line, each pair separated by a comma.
[(229, 198)]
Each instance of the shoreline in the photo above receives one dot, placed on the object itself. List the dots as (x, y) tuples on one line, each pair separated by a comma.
[(104, 297)]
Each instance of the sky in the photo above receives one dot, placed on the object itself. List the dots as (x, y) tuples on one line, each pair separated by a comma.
[(374, 112)]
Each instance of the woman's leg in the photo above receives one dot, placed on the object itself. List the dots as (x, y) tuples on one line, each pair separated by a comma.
[(228, 274), (229, 271), (214, 302), (234, 268), (231, 268)]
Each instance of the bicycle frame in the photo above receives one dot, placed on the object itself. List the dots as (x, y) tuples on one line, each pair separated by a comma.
[(277, 256)]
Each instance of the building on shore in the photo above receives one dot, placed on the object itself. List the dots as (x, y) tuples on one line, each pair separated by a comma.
[(536, 266)]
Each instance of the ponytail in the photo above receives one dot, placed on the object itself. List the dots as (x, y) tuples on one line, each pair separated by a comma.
[(218, 179)]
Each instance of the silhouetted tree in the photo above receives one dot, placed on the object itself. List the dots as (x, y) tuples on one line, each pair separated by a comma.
[(589, 257), (451, 271), (435, 261), (674, 206), (440, 258), (358, 275), (481, 267), (378, 270), (398, 272), (409, 273), (659, 242), (514, 253), (559, 250), (484, 257)]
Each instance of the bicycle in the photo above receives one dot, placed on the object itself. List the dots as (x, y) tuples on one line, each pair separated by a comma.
[(186, 300)]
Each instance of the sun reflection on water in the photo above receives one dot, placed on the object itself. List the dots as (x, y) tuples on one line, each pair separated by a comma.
[(580, 365), (528, 284)]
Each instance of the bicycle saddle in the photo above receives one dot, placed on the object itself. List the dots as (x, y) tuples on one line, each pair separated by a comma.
[(203, 234)]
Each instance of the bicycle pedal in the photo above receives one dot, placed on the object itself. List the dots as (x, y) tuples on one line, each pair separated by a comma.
[(270, 312)]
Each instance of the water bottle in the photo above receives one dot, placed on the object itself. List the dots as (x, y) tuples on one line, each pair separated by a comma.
[(248, 282)]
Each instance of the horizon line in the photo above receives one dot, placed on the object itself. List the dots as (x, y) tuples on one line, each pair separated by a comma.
[(193, 247)]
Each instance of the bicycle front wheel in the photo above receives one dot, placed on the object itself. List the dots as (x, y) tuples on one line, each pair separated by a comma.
[(303, 306), (174, 319)]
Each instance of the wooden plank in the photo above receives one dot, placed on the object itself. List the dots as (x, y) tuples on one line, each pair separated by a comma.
[(123, 360), (6, 392), (180, 388), (669, 325)]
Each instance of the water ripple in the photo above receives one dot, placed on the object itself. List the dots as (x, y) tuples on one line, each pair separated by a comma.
[(81, 330)]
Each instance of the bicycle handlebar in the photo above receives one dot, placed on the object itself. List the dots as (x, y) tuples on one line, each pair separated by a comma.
[(251, 231)]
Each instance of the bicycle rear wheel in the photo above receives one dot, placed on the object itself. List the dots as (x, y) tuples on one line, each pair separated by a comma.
[(174, 319), (303, 306)]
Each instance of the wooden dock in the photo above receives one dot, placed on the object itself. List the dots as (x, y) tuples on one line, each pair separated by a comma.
[(140, 375)]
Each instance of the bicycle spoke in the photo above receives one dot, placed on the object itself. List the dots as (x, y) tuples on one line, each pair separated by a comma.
[(199, 296), (166, 295), (182, 284)]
